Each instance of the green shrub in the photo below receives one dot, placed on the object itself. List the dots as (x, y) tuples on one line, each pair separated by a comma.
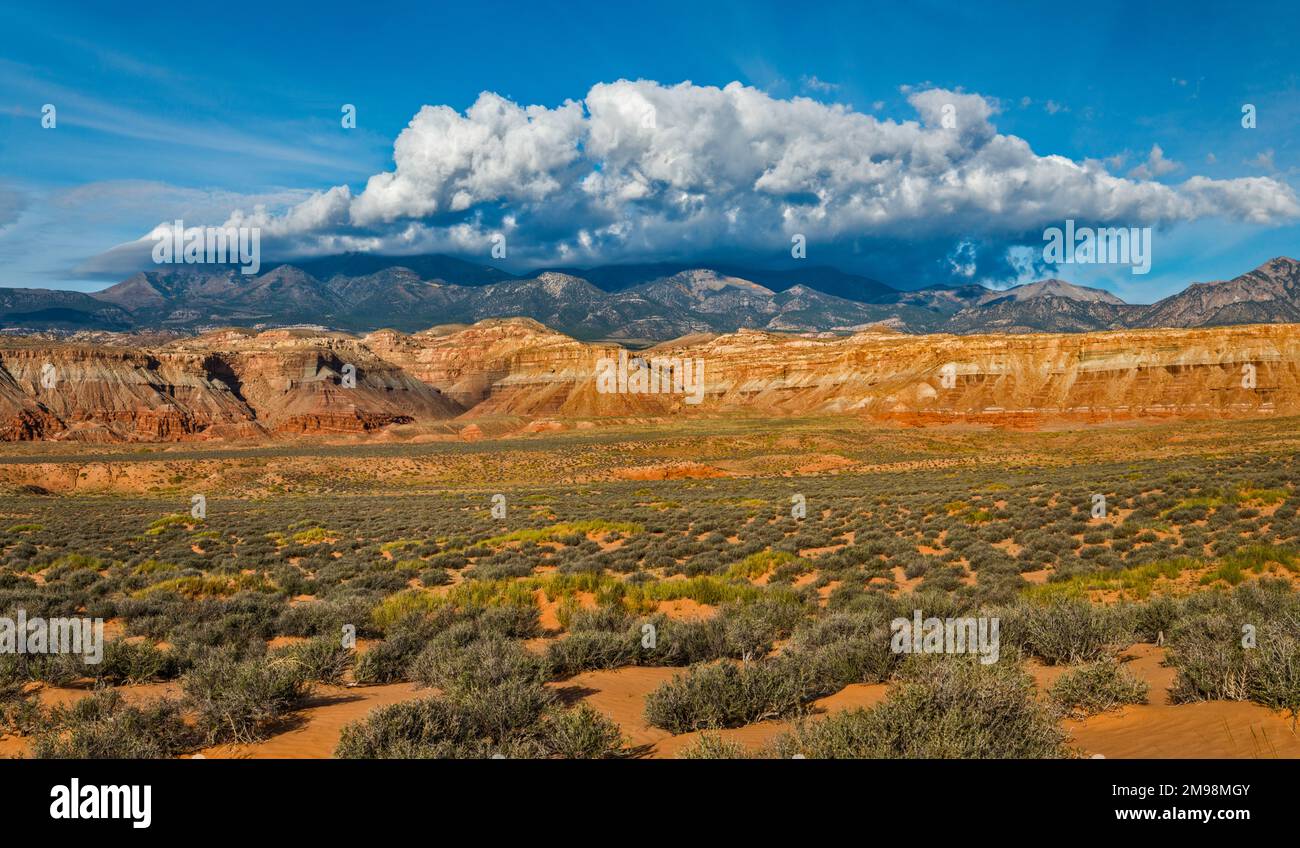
[(388, 660), (135, 662), (847, 647), (1214, 663), (20, 712), (1066, 631), (385, 662), (711, 746), (102, 726), (1155, 618), (326, 618), (237, 701), (510, 621), (945, 708), (1097, 687), (430, 728), (509, 710), (728, 694), (483, 664), (413, 602), (56, 669), (322, 660), (435, 577), (584, 650), (582, 733), (501, 720), (837, 664)]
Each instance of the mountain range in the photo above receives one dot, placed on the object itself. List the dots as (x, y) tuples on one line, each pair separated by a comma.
[(631, 304)]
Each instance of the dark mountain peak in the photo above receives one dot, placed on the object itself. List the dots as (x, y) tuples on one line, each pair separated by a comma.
[(558, 278), (553, 285), (155, 287), (1052, 288), (823, 278), (288, 273), (614, 278), (139, 289), (704, 280), (1268, 294), (1279, 264), (434, 266), (1279, 271), (413, 293)]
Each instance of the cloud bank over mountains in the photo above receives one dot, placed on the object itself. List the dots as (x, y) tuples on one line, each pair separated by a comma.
[(641, 171)]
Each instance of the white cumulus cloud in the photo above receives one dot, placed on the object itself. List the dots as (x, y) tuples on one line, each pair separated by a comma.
[(640, 169)]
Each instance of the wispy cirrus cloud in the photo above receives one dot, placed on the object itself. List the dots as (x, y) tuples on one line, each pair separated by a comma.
[(12, 204), (41, 230), (28, 90)]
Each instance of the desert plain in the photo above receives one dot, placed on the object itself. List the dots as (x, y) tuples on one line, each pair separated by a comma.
[(472, 551)]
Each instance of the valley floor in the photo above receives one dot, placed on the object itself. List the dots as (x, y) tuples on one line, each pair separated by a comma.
[(778, 548)]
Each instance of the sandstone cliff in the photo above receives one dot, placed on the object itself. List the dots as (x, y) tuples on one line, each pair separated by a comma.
[(237, 383)]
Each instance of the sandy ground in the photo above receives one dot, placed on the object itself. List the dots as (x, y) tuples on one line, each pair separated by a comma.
[(1215, 730), (620, 694), (1157, 729), (1227, 730), (314, 731), (50, 696)]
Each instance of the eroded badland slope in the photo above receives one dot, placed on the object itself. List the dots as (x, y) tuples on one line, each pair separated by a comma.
[(240, 384)]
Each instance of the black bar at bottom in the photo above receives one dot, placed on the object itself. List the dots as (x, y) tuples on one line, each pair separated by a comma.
[(208, 798)]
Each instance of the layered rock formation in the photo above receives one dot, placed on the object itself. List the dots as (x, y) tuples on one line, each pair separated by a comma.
[(237, 383), (231, 384), (297, 381), (110, 392), (1011, 379), (467, 363)]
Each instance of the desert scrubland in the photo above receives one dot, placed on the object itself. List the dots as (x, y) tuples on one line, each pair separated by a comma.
[(681, 584)]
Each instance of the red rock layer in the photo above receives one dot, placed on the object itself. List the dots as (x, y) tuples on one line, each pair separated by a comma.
[(236, 383)]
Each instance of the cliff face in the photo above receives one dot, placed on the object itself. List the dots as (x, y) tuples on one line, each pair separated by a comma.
[(1096, 376), (236, 383), (220, 385), (109, 393), (301, 382), (1013, 379), (466, 363)]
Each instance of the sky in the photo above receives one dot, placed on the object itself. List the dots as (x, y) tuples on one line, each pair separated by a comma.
[(918, 143)]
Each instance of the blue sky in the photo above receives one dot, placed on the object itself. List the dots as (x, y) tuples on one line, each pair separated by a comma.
[(183, 112)]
